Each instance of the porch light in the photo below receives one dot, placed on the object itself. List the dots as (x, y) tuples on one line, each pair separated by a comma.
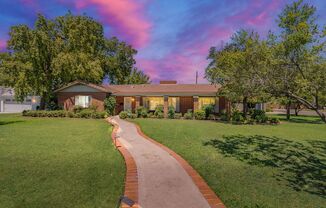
[(132, 99), (33, 100)]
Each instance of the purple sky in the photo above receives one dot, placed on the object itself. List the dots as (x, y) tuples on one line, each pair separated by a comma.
[(172, 36)]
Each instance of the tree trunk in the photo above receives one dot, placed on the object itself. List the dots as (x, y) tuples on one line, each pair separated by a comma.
[(309, 106), (288, 110), (317, 100), (42, 103), (245, 107)]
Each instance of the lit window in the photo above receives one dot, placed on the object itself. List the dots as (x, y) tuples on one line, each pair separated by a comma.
[(174, 101), (82, 101), (202, 101), (152, 102)]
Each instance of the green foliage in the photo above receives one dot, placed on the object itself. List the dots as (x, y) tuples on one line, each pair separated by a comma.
[(123, 114), (199, 114), (188, 115), (159, 115), (137, 77), (141, 112), (237, 117), (209, 109), (57, 51), (85, 113), (158, 110), (177, 115), (237, 67), (254, 113), (274, 120), (171, 112), (109, 104)]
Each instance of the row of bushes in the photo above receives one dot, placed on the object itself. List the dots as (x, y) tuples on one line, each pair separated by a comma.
[(84, 113), (142, 112), (254, 116)]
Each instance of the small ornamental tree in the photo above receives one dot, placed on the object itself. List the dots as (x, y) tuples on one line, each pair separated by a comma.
[(109, 104)]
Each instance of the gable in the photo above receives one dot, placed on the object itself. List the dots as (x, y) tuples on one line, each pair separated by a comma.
[(80, 88)]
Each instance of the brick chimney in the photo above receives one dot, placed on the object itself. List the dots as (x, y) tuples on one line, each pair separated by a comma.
[(168, 82)]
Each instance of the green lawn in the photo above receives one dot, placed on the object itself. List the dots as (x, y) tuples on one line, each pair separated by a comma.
[(252, 165), (49, 162)]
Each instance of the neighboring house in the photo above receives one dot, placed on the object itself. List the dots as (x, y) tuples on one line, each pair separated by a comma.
[(129, 97), (8, 103)]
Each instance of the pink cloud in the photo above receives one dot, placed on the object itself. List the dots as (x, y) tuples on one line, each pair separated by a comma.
[(256, 13), (126, 18), (182, 63)]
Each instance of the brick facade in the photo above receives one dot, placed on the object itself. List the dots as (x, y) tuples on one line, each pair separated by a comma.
[(67, 99)]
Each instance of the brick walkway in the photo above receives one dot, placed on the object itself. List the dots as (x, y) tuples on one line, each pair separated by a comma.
[(162, 179)]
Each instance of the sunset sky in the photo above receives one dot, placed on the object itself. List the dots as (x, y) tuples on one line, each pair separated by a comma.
[(172, 36)]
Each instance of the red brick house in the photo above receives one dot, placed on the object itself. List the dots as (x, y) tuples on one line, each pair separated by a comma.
[(129, 97)]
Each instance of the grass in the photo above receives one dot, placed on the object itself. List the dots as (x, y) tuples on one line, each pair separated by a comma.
[(248, 166), (52, 162)]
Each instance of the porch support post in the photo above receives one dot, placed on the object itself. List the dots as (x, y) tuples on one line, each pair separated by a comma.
[(166, 106), (137, 104), (195, 103)]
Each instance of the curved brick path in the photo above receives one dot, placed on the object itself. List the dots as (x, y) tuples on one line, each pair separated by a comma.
[(164, 180)]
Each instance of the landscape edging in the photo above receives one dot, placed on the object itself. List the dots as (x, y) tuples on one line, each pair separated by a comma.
[(131, 180)]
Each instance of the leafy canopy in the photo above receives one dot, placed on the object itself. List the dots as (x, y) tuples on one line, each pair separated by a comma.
[(57, 51)]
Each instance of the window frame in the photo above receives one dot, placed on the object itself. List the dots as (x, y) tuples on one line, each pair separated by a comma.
[(89, 101)]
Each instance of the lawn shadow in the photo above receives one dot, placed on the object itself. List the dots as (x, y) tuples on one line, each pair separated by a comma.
[(303, 166), (300, 119), (10, 122)]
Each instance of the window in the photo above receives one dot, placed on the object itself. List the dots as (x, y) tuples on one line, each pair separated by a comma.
[(83, 101), (202, 101), (151, 102), (174, 101)]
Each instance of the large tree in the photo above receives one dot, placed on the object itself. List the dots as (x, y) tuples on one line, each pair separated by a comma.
[(298, 70), (237, 67), (57, 51)]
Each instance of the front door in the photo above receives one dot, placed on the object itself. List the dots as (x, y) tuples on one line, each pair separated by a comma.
[(127, 103)]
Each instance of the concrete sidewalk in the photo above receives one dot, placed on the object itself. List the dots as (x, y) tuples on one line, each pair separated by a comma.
[(162, 181)]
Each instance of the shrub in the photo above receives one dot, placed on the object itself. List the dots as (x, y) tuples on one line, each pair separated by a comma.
[(158, 109), (109, 105), (86, 113), (177, 115), (98, 115), (237, 117), (132, 115), (212, 117), (209, 109), (159, 115), (261, 118), (254, 113), (123, 114), (171, 112), (274, 120), (224, 116), (199, 114), (141, 112), (150, 115), (188, 115), (77, 109), (70, 114)]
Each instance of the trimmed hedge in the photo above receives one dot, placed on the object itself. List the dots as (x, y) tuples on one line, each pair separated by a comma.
[(199, 114), (85, 113)]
